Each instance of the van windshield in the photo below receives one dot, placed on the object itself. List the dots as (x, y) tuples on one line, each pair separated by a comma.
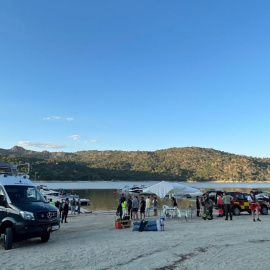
[(19, 194)]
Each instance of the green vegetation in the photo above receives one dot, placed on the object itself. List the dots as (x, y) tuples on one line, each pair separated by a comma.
[(174, 164)]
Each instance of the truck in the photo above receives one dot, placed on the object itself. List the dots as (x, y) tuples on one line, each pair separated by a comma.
[(24, 213), (240, 204)]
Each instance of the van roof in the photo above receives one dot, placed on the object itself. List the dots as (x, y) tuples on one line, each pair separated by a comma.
[(10, 174), (20, 180)]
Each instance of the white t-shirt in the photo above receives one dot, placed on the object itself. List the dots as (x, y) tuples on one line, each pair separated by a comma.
[(148, 203)]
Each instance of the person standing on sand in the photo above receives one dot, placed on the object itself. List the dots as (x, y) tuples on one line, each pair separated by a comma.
[(142, 208), (220, 205), (202, 199), (208, 208), (65, 211), (120, 201), (78, 203), (174, 203), (155, 205), (129, 203), (198, 206), (148, 206), (135, 207), (72, 206), (226, 199), (254, 205), (61, 207), (124, 208), (57, 204)]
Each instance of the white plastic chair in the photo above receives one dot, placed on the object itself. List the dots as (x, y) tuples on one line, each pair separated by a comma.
[(167, 212), (182, 213), (191, 211), (164, 210), (173, 213)]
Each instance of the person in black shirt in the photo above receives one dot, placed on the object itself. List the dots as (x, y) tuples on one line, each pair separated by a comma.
[(65, 211), (174, 203), (142, 207), (198, 206)]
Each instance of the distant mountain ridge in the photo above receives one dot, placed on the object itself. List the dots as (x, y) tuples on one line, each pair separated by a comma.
[(173, 164)]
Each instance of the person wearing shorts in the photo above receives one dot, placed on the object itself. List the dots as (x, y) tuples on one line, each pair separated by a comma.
[(253, 205), (135, 207), (148, 206), (142, 208)]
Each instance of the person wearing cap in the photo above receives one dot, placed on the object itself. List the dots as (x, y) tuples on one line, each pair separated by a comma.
[(254, 205)]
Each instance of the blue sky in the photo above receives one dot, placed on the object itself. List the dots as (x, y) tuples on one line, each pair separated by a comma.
[(135, 75)]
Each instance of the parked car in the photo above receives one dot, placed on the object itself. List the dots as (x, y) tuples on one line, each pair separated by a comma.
[(240, 204)]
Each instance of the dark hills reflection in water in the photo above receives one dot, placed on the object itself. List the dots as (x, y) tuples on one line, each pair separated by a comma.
[(107, 199)]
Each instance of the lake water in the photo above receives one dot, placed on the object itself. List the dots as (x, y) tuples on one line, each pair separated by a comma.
[(103, 194)]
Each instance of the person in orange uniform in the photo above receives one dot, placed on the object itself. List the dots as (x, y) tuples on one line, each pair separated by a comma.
[(220, 205)]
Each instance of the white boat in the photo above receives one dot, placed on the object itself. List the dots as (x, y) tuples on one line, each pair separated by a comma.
[(59, 195), (137, 189), (125, 189)]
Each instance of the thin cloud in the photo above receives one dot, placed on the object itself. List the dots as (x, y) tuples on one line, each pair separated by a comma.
[(93, 141), (74, 137), (58, 118), (40, 145)]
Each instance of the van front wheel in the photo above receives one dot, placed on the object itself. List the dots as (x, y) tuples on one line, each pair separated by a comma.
[(8, 238), (45, 237)]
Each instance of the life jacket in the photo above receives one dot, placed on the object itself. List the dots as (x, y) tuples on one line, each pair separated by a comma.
[(124, 205)]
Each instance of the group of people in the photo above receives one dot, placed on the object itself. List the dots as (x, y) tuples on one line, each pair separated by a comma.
[(133, 205), (64, 206), (204, 205), (224, 203)]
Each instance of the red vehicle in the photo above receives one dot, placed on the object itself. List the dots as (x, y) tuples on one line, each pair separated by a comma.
[(241, 204)]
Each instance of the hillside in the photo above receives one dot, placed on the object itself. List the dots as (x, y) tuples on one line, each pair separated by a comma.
[(174, 164)]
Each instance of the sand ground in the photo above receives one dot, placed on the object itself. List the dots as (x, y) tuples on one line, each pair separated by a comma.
[(90, 241)]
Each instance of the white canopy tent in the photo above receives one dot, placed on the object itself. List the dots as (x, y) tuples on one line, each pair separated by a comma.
[(164, 188)]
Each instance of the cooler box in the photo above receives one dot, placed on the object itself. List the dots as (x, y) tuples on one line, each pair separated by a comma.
[(124, 223), (118, 225)]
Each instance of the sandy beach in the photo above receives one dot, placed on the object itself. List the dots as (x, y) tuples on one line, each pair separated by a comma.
[(90, 241)]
